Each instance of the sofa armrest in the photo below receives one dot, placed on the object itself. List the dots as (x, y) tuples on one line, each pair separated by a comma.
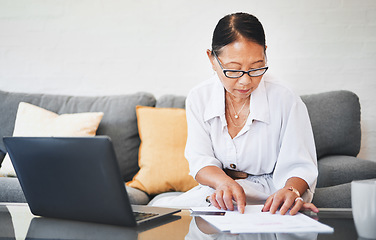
[(338, 196), (339, 169), (137, 197)]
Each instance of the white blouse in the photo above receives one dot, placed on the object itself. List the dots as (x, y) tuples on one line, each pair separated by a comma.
[(277, 138)]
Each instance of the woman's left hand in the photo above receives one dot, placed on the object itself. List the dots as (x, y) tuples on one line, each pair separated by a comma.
[(285, 200)]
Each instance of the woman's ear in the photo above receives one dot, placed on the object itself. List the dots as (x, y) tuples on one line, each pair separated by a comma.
[(211, 58)]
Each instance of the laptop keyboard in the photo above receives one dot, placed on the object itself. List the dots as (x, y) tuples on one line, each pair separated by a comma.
[(142, 215)]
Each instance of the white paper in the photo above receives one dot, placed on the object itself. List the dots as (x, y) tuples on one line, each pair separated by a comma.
[(255, 221)]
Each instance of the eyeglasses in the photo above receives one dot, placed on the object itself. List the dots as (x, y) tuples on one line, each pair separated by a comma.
[(239, 73)]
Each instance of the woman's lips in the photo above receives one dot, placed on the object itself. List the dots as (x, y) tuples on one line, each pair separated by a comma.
[(244, 91)]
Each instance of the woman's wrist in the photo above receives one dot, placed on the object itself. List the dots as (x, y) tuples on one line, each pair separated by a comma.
[(294, 190), (296, 185)]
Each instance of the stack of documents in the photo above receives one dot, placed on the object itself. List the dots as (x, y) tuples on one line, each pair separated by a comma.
[(255, 221)]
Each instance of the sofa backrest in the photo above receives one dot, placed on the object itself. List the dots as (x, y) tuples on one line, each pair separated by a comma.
[(119, 121), (335, 119)]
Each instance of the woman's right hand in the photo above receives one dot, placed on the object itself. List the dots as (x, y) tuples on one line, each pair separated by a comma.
[(227, 189), (226, 193)]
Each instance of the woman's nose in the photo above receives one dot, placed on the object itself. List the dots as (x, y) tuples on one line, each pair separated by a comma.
[(245, 79)]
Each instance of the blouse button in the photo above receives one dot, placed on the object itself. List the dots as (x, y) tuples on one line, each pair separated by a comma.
[(233, 166)]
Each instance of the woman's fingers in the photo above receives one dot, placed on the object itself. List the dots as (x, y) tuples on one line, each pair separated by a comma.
[(240, 201), (310, 206), (287, 204), (294, 205), (285, 200), (298, 204), (219, 199), (227, 199), (278, 200), (214, 201), (301, 205), (268, 204), (224, 198)]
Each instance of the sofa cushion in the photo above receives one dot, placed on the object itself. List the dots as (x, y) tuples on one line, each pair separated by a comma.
[(10, 190), (137, 197), (119, 120), (35, 121), (32, 120), (334, 170), (335, 118), (338, 196)]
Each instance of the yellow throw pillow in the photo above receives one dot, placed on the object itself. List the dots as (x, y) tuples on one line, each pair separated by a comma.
[(33, 121), (163, 167)]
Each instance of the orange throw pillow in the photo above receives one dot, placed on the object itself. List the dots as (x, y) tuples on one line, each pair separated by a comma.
[(163, 167)]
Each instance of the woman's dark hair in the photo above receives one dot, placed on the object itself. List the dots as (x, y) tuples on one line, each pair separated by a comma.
[(233, 26)]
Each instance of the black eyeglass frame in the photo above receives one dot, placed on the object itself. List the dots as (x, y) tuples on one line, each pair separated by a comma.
[(225, 71)]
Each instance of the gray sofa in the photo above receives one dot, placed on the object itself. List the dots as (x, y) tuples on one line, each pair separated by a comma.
[(335, 118)]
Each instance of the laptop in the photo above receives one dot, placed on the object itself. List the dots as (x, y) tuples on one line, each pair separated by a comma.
[(76, 178)]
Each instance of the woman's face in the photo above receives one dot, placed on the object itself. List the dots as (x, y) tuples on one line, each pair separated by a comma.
[(239, 55)]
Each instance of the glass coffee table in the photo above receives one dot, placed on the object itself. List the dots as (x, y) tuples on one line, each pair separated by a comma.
[(17, 222)]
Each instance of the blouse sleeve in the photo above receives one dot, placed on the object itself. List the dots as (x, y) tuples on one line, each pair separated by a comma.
[(297, 156), (198, 151)]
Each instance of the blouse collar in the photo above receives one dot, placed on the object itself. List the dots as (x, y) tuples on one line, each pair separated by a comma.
[(259, 106)]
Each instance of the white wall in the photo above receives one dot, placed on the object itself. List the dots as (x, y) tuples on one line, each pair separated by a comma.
[(98, 47)]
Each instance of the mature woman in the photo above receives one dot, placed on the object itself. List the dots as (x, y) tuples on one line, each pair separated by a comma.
[(249, 138)]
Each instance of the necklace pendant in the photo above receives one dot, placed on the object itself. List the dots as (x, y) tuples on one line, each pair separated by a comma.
[(236, 116)]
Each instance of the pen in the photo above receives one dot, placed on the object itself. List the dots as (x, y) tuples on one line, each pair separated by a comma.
[(208, 201)]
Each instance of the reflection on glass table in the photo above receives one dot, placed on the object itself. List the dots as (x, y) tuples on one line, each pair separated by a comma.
[(200, 229), (17, 222), (340, 219)]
